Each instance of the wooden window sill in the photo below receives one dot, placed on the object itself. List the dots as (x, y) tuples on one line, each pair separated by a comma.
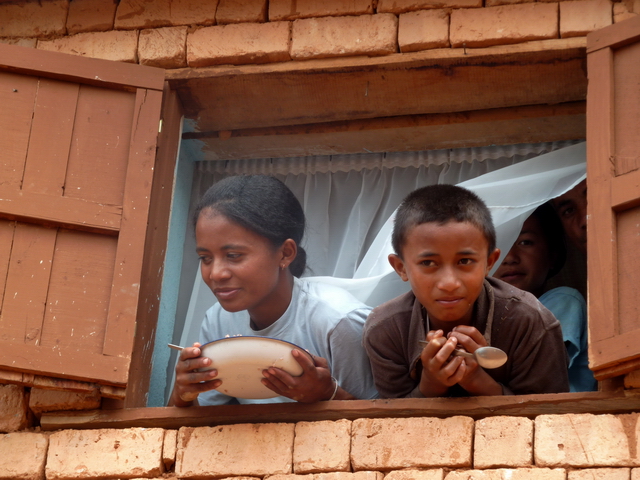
[(616, 401)]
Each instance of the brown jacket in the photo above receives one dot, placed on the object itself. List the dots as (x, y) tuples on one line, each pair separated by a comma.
[(520, 325)]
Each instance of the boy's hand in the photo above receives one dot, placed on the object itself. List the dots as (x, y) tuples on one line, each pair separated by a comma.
[(439, 369), (476, 381)]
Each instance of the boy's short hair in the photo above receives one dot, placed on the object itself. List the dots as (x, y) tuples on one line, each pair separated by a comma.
[(441, 204)]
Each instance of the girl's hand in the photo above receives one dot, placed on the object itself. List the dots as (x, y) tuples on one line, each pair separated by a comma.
[(313, 385), (189, 381)]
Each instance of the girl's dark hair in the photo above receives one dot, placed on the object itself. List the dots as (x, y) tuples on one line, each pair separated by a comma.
[(262, 204), (553, 232)]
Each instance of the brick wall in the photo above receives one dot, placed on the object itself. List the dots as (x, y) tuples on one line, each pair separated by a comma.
[(553, 447), (192, 33)]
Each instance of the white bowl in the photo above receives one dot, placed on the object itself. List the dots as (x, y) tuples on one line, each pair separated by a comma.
[(240, 361)]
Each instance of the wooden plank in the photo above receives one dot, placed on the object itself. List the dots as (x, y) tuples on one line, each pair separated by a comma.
[(27, 285), (530, 124), (625, 191), (101, 141), (6, 241), (79, 290), (626, 105), (295, 93), (103, 73), (107, 391), (53, 116), (68, 363), (615, 350), (17, 97), (120, 330), (52, 383), (603, 288), (475, 407), (155, 250), (60, 211), (617, 35)]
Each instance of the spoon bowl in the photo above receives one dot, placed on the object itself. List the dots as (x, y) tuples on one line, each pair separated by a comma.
[(487, 357)]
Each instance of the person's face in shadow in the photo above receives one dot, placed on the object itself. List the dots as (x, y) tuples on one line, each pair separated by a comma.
[(527, 264), (572, 210)]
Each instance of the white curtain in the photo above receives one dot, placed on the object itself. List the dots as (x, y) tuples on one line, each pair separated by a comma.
[(349, 203)]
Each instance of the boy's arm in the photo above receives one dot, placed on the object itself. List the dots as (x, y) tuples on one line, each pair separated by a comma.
[(389, 366)]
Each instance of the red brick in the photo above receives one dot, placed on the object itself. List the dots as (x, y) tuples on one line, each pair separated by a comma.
[(105, 453), (503, 442), (495, 3), (235, 450), (239, 44), (163, 47), (393, 443), (600, 474), (503, 25), (294, 9), (423, 30), (622, 11), (23, 455), (581, 17), (402, 6), (344, 36), (91, 16), (13, 408), (51, 400), (586, 440), (431, 474), (509, 474), (22, 42), (169, 447), (120, 46), (322, 447), (33, 19), (241, 11), (165, 13)]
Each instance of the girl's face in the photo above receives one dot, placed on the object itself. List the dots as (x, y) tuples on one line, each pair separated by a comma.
[(527, 264), (243, 269)]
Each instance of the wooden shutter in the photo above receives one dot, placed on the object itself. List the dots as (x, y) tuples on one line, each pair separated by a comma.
[(78, 145), (613, 193)]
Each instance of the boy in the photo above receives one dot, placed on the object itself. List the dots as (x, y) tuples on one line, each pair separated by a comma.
[(445, 246)]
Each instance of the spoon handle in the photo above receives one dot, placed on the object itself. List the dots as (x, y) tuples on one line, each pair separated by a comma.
[(463, 353), (457, 351)]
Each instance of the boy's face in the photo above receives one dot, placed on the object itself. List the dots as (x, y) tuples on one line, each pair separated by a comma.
[(446, 266)]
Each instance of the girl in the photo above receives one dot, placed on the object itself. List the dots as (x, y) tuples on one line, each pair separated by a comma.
[(537, 255), (248, 233)]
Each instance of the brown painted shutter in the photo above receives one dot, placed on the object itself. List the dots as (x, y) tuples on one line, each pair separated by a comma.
[(613, 191), (78, 144)]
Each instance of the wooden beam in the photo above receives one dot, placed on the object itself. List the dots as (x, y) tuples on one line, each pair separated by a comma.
[(434, 81), (618, 401), (63, 66), (67, 212), (530, 124)]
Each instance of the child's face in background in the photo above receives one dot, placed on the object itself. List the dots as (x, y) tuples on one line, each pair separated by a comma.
[(446, 266), (527, 264)]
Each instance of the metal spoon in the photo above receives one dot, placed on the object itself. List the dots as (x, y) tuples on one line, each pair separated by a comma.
[(487, 357)]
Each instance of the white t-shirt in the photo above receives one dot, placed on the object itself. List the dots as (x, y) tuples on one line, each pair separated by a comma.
[(323, 319)]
